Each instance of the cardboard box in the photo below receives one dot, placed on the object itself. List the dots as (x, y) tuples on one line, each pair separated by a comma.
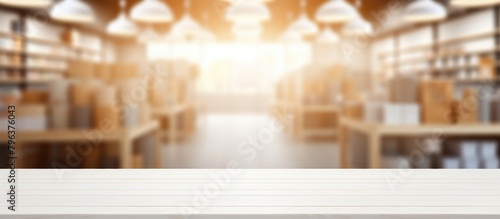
[(82, 94), (125, 71), (486, 68), (58, 91), (465, 110), (102, 71), (410, 114), (81, 117), (31, 110), (353, 110), (106, 118), (436, 100), (59, 116), (392, 114), (80, 69), (145, 114), (106, 96), (34, 97)]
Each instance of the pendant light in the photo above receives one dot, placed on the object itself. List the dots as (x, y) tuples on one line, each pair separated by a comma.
[(187, 25), (247, 29), (148, 35), (303, 25), (247, 11), (358, 26), (327, 36), (27, 3), (336, 11), (72, 11), (421, 11), (151, 11), (122, 26), (473, 3), (290, 36), (204, 34)]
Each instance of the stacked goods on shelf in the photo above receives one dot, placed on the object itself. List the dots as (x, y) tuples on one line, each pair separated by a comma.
[(465, 110), (486, 68), (436, 100), (470, 154), (59, 107), (495, 107)]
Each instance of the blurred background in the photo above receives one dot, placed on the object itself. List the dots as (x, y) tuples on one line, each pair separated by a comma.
[(250, 83)]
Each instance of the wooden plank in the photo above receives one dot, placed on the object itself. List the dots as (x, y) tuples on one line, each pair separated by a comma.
[(266, 212), (79, 135), (262, 201)]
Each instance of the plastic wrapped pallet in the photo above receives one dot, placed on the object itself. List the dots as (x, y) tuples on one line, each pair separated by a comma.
[(59, 116), (106, 96), (58, 91), (31, 117), (81, 117), (106, 118), (82, 93), (131, 117)]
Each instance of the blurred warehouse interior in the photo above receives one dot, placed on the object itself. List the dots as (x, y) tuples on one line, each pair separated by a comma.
[(263, 83)]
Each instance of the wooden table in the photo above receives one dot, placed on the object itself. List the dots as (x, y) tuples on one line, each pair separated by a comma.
[(171, 113), (271, 193), (375, 133), (123, 136)]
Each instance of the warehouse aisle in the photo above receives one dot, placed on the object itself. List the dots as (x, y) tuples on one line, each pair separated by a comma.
[(225, 138)]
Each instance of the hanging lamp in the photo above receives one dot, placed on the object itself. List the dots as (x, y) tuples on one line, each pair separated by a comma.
[(303, 25), (27, 3), (151, 11), (357, 26), (148, 35), (473, 3), (336, 11), (72, 11), (187, 25), (421, 11), (247, 11), (122, 26), (327, 36)]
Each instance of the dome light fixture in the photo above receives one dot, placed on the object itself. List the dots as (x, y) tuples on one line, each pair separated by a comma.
[(422, 11), (247, 29), (358, 26), (27, 3), (122, 26), (72, 11), (473, 3), (327, 36), (148, 35), (151, 11), (336, 11), (247, 11), (187, 25), (303, 25)]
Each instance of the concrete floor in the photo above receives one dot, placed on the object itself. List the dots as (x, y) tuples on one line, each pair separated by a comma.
[(227, 138)]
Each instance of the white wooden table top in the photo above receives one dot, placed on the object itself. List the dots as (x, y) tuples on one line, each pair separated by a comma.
[(196, 193)]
